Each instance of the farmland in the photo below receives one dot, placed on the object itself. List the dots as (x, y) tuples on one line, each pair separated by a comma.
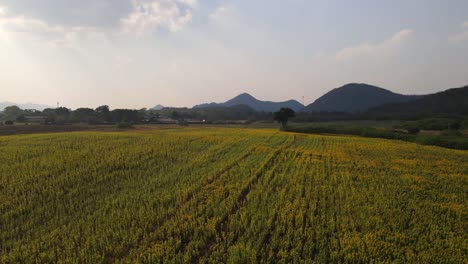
[(194, 195)]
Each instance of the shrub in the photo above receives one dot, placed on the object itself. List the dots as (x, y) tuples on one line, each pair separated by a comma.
[(9, 122), (123, 125), (447, 139), (413, 130)]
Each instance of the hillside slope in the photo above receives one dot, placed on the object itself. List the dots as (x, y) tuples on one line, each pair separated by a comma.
[(450, 102), (354, 97)]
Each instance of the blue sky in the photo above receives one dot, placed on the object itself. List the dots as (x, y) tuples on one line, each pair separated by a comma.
[(139, 53)]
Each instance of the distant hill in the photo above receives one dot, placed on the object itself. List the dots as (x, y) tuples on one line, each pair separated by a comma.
[(355, 97), (39, 107), (450, 102), (158, 107), (248, 100)]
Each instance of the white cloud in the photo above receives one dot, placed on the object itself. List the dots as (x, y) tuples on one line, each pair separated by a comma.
[(223, 13), (220, 12), (462, 36), (226, 17), (56, 35), (121, 61), (3, 10), (384, 48), (22, 24), (148, 15), (191, 3)]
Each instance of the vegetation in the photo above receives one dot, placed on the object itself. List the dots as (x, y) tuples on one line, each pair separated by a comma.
[(452, 103), (453, 140), (216, 113), (123, 125), (283, 116), (229, 196), (356, 98), (103, 115)]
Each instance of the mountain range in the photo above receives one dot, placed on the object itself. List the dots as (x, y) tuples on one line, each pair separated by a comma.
[(249, 100), (369, 100)]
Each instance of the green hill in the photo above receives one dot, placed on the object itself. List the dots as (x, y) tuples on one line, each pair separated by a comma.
[(356, 97), (452, 102)]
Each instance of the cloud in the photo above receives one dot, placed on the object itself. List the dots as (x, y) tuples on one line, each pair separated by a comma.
[(22, 24), (384, 48), (462, 36), (55, 35), (149, 15), (225, 17), (121, 61), (191, 3), (223, 13), (3, 10), (220, 12), (90, 13)]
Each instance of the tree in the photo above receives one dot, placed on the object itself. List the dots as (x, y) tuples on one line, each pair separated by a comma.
[(12, 112), (62, 115), (283, 115), (103, 109), (103, 113), (143, 115), (124, 115), (84, 115), (175, 115), (21, 119)]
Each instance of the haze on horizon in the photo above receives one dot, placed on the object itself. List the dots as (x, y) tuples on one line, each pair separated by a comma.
[(139, 53)]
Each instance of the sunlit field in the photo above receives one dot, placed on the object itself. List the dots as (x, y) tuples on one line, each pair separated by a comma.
[(217, 195)]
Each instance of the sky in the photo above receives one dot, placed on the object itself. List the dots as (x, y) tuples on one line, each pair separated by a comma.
[(140, 53)]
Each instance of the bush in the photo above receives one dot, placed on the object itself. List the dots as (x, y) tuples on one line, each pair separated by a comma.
[(454, 142), (9, 122), (447, 139), (413, 130), (123, 125)]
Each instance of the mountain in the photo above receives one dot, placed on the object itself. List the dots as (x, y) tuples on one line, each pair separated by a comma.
[(158, 107), (450, 102), (247, 99), (39, 107), (356, 97)]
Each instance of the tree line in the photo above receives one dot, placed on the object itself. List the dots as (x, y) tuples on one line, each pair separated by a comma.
[(63, 115), (103, 115)]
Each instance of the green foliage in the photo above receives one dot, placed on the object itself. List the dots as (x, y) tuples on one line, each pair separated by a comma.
[(455, 141), (12, 113), (434, 124), (229, 196), (84, 115), (123, 125), (283, 115), (214, 114), (452, 102), (413, 129), (446, 141)]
